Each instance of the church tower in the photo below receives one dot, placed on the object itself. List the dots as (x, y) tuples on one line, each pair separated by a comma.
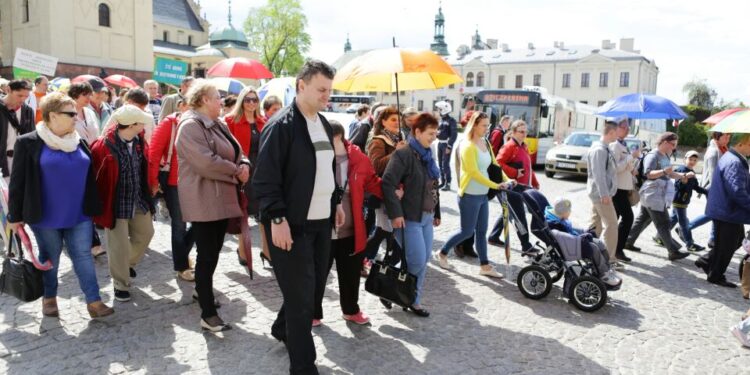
[(347, 45), (438, 45)]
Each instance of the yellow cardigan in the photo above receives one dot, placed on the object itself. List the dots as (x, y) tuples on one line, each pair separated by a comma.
[(470, 170)]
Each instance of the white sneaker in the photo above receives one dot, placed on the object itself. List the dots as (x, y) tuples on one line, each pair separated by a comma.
[(610, 278), (740, 336), (490, 272), (442, 261), (617, 266)]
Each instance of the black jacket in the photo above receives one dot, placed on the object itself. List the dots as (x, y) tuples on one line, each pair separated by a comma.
[(684, 191), (25, 190), (447, 130), (406, 168), (284, 176), (360, 136), (26, 125)]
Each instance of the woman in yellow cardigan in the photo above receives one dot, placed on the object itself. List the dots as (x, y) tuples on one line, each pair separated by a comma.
[(473, 205)]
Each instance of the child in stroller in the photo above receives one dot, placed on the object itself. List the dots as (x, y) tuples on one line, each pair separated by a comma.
[(577, 243)]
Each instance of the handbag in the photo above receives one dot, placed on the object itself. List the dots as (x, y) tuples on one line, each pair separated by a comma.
[(391, 283), (19, 277), (634, 197)]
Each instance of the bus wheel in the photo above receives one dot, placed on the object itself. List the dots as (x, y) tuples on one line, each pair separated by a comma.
[(549, 174)]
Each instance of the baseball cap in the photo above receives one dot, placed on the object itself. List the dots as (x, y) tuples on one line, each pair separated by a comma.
[(692, 153), (129, 114), (97, 85)]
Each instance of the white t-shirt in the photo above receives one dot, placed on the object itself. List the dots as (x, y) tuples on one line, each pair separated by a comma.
[(320, 205)]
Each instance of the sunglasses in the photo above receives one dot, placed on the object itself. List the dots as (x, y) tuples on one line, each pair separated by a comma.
[(71, 114), (250, 100)]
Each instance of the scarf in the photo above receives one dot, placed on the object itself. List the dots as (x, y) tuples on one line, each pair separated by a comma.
[(425, 155), (393, 137), (66, 143)]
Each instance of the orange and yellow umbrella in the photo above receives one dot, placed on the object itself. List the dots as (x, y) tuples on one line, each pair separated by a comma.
[(395, 69)]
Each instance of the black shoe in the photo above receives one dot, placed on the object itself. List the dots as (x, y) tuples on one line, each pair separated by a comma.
[(658, 241), (418, 312), (621, 256), (676, 255), (264, 259), (459, 250), (279, 336), (132, 272), (695, 248), (386, 303), (495, 242), (702, 264), (710, 244), (215, 324), (679, 234), (724, 283), (441, 185), (216, 301), (239, 259), (447, 187), (531, 252), (122, 295), (632, 247), (469, 252)]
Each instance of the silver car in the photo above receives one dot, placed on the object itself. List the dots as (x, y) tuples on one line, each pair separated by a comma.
[(570, 156)]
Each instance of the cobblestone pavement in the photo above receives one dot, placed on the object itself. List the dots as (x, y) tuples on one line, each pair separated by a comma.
[(666, 319)]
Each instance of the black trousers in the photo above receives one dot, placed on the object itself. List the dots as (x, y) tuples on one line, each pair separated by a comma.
[(299, 273), (625, 215), (728, 239), (209, 238), (348, 266), (516, 204)]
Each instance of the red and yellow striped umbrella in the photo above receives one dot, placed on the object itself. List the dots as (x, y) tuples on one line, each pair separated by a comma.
[(395, 69)]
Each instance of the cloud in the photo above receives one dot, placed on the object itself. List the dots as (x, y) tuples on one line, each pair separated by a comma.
[(688, 38)]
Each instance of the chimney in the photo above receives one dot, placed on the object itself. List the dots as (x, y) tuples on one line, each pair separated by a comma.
[(626, 44), (607, 44), (562, 46), (506, 48), (557, 44), (531, 46), (492, 43)]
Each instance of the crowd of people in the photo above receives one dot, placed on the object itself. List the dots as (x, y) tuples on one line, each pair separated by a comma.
[(86, 160)]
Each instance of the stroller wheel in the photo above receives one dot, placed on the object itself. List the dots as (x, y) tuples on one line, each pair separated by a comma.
[(534, 282), (588, 293)]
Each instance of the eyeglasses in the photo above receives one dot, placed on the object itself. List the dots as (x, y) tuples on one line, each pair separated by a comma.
[(249, 99), (71, 114), (521, 131)]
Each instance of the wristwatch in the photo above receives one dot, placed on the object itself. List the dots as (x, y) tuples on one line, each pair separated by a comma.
[(277, 220)]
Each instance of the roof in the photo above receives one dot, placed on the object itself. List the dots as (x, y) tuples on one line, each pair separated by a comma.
[(229, 34), (543, 55), (176, 13), (348, 56), (174, 49)]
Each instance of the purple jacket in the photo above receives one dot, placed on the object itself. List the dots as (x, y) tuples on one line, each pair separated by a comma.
[(730, 190)]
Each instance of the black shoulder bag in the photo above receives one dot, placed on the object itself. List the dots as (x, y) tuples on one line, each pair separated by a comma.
[(19, 277), (390, 283)]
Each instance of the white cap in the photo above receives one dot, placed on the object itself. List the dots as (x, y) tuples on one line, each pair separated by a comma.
[(129, 114), (692, 153), (443, 107)]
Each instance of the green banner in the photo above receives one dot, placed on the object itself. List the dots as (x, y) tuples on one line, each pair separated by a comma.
[(19, 73), (170, 71)]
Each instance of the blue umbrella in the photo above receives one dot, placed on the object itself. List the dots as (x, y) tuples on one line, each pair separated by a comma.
[(228, 85), (641, 106)]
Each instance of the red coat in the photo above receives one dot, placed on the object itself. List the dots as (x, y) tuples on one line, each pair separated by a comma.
[(159, 149), (107, 175), (513, 156), (362, 178), (241, 131)]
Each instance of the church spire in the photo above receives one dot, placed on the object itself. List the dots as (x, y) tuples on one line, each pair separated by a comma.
[(347, 45), (438, 44), (229, 12)]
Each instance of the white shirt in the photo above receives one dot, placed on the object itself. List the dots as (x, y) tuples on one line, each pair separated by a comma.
[(320, 204)]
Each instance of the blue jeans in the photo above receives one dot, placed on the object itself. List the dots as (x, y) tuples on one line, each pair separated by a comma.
[(700, 220), (418, 238), (475, 213), (182, 237), (78, 242), (679, 215)]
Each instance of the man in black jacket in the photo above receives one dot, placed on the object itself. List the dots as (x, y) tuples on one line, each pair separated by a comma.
[(447, 132), (16, 119), (295, 186)]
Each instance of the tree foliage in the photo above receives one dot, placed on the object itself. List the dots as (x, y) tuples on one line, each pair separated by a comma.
[(700, 93), (277, 31)]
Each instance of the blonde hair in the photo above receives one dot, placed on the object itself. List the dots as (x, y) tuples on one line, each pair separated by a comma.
[(150, 82), (239, 110), (475, 118), (198, 90), (54, 102)]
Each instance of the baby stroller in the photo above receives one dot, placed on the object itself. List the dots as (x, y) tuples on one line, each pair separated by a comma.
[(582, 285)]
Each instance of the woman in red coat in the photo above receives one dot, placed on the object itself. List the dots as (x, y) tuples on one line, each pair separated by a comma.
[(356, 175), (245, 123)]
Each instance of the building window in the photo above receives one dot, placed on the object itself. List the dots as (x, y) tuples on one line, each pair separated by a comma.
[(104, 15), (165, 35), (25, 11), (585, 101), (420, 105), (600, 103), (470, 79), (452, 86), (585, 79), (624, 79), (537, 79), (603, 79), (190, 40), (519, 81), (480, 79), (501, 82), (566, 80), (372, 93)]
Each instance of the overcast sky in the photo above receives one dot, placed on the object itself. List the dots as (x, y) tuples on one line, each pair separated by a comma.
[(687, 39)]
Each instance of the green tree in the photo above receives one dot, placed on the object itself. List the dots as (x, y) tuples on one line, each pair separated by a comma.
[(277, 31), (700, 93)]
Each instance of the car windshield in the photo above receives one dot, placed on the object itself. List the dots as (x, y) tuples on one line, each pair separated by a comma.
[(581, 139)]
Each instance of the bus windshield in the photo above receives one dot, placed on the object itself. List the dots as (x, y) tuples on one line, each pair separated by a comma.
[(516, 112), (348, 103)]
